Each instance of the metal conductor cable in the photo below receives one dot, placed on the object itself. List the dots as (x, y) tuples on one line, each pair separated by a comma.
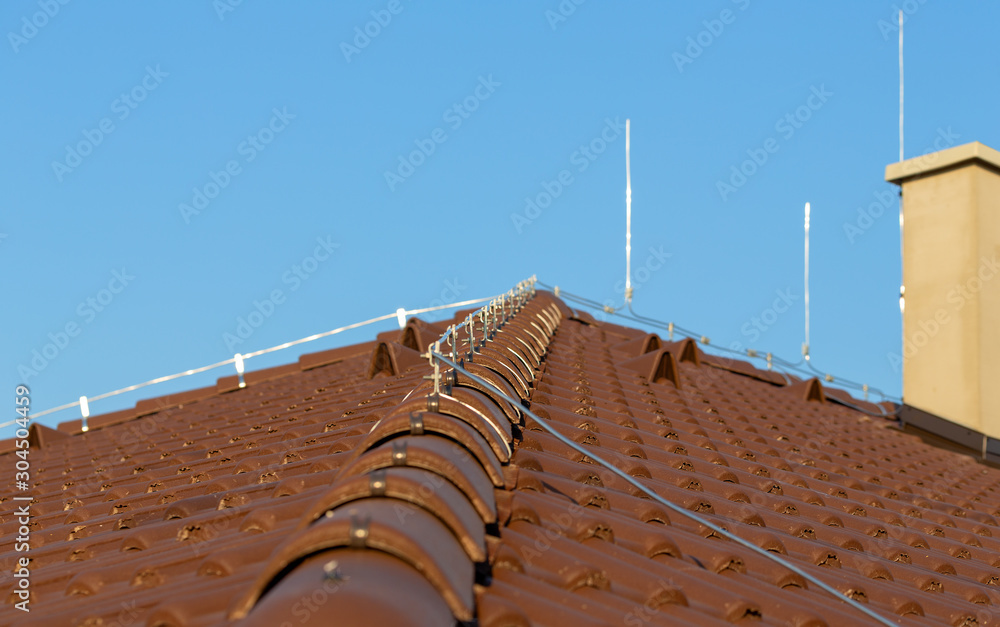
[(808, 370), (628, 218), (238, 360), (805, 347)]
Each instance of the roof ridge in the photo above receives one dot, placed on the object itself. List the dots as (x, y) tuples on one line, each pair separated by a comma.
[(420, 485)]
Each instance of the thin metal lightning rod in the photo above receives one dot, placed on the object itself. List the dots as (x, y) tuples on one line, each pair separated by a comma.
[(628, 217)]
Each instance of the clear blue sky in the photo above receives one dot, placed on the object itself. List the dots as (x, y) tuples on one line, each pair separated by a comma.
[(290, 118)]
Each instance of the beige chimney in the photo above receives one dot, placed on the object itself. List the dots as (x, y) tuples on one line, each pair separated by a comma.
[(951, 276)]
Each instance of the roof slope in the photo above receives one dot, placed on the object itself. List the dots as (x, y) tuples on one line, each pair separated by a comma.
[(342, 486)]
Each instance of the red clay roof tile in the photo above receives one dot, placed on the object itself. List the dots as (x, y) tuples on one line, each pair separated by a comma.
[(342, 486)]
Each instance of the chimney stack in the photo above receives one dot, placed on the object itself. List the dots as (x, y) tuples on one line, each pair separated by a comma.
[(951, 277)]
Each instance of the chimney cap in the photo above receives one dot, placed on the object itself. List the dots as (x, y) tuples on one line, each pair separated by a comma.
[(923, 165)]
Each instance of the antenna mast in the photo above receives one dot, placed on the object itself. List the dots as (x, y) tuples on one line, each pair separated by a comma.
[(805, 346), (628, 219), (902, 284), (900, 85)]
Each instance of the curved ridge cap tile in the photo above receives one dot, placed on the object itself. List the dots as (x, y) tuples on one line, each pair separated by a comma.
[(539, 343), (506, 354), (488, 427), (459, 380), (410, 534), (436, 455), (538, 326), (523, 356), (489, 357), (553, 315), (482, 368), (538, 318), (541, 329), (546, 297), (808, 390), (548, 310), (502, 366), (422, 488), (658, 365), (483, 406), (354, 586), (475, 401), (519, 341), (418, 423), (470, 400)]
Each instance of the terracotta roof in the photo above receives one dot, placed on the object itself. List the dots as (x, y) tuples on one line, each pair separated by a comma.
[(341, 486)]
